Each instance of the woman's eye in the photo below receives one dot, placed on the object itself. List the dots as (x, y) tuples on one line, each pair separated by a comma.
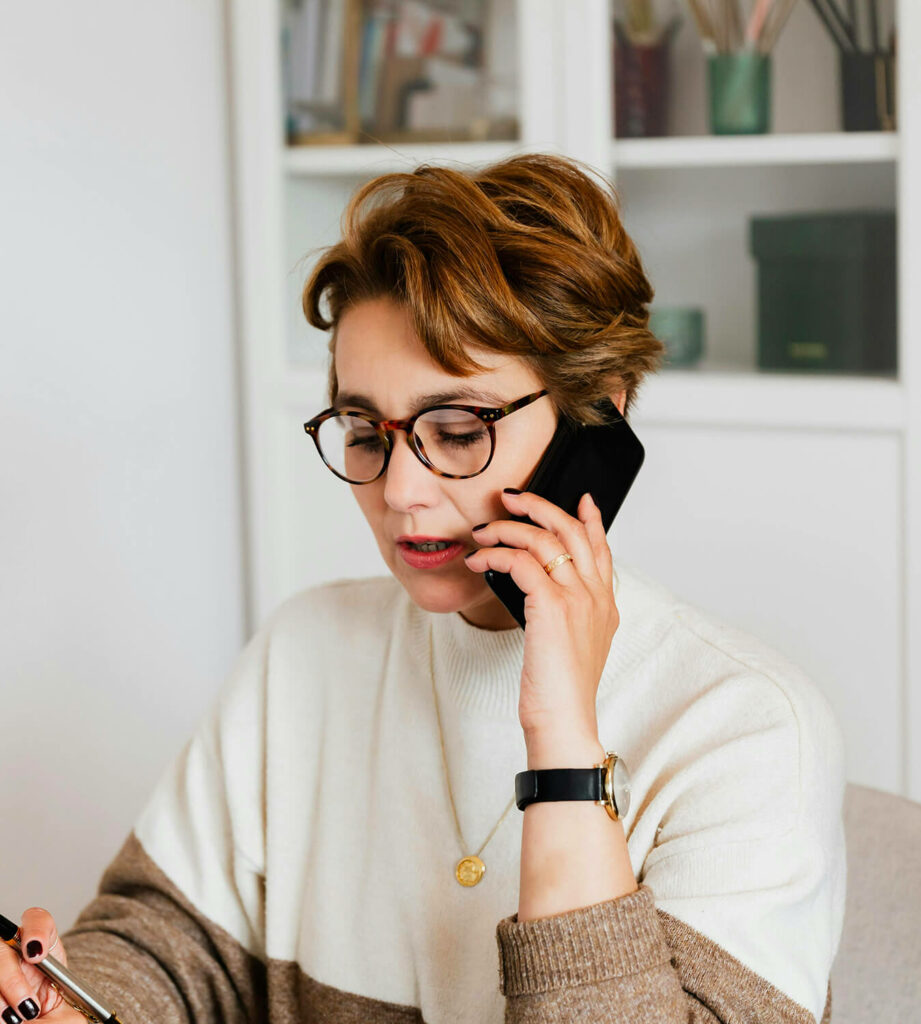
[(368, 441), (461, 440)]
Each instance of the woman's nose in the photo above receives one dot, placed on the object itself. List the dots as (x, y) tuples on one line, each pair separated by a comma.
[(407, 482)]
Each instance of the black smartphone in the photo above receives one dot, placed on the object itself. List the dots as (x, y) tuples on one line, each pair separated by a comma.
[(601, 459)]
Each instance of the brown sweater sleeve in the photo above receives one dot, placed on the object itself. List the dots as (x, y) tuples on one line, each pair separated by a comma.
[(155, 959), (625, 961)]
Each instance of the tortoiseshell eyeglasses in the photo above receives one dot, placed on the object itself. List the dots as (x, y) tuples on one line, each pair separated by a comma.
[(456, 441)]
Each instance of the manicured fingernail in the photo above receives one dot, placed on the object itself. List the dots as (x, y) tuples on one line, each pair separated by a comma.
[(510, 490), (11, 1016), (34, 949), (482, 526), (28, 1009)]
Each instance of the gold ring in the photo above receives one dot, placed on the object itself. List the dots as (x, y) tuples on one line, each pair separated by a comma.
[(559, 560)]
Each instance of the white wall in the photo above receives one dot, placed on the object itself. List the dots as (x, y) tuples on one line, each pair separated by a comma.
[(121, 598)]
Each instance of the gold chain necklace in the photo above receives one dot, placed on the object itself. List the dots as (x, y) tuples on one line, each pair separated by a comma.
[(470, 869)]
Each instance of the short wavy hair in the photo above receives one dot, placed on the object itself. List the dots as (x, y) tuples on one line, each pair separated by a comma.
[(526, 257)]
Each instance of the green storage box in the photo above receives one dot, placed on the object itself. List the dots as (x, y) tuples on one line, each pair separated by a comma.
[(826, 291)]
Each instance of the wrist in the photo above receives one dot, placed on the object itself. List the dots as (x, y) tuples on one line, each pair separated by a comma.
[(563, 750)]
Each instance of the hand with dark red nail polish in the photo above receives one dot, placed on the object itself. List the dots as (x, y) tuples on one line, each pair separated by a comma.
[(26, 990)]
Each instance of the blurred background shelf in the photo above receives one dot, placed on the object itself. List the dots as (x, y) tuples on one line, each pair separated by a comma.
[(688, 151), (368, 160), (756, 150)]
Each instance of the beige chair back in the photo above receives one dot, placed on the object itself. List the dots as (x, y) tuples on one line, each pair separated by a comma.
[(876, 976)]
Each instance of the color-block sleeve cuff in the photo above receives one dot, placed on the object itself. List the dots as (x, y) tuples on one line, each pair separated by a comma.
[(585, 946)]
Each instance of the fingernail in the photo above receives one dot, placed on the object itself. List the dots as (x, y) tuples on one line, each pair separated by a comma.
[(482, 526), (28, 1009), (11, 1016), (510, 490), (34, 949)]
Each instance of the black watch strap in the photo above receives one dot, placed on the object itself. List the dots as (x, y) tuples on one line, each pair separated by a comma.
[(558, 784)]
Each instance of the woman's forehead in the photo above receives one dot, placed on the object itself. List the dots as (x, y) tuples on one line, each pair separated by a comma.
[(377, 335), (382, 364)]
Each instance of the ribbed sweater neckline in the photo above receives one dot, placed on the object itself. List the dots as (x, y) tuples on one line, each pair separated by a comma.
[(478, 670)]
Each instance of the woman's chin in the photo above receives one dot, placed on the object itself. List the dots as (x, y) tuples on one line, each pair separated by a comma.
[(473, 600), (445, 595)]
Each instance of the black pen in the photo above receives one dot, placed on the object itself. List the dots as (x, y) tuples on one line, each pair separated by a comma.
[(63, 979), (835, 29), (874, 27), (846, 26)]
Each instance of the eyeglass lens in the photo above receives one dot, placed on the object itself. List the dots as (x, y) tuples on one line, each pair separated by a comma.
[(455, 442)]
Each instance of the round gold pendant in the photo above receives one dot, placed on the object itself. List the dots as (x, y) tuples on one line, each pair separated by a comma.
[(469, 870)]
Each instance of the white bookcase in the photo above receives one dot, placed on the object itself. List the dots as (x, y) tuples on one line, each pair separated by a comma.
[(787, 504)]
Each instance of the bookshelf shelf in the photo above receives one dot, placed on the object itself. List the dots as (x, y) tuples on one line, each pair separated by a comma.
[(316, 161), (758, 150), (685, 151)]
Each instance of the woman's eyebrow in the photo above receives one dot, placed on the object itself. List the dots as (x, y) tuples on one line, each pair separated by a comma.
[(478, 395)]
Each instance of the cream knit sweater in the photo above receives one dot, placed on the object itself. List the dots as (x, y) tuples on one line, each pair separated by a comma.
[(296, 863)]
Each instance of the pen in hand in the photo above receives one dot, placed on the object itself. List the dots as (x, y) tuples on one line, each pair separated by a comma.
[(82, 995)]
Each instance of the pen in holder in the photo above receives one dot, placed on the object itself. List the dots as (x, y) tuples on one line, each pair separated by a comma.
[(641, 71), (738, 51), (867, 91), (641, 88), (867, 66)]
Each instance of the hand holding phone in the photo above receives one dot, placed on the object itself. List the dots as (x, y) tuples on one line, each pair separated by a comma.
[(572, 616), (602, 460)]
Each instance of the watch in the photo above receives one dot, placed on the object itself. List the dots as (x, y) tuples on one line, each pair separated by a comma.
[(607, 783)]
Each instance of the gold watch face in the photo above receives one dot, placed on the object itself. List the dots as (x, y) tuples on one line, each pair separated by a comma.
[(621, 787)]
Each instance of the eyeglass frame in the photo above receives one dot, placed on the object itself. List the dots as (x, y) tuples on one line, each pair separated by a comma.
[(385, 429)]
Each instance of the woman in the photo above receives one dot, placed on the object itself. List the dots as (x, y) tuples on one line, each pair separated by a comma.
[(339, 841)]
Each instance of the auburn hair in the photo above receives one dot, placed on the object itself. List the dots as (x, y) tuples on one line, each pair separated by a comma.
[(525, 257)]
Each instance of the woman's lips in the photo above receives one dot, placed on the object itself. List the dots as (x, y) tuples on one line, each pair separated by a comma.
[(428, 559)]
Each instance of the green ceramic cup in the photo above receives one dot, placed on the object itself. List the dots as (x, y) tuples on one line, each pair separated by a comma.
[(740, 93), (681, 329)]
